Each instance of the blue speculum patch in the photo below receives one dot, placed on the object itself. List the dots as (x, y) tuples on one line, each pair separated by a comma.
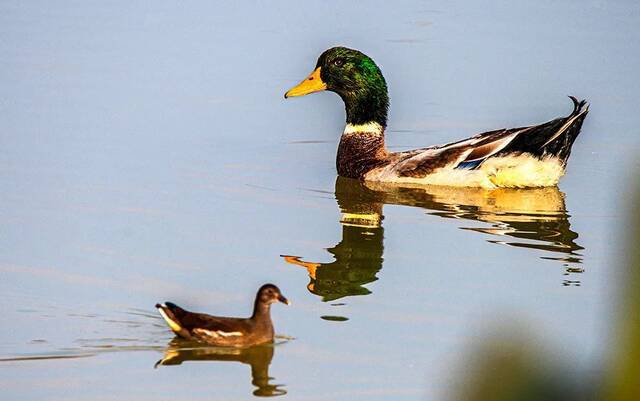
[(469, 165)]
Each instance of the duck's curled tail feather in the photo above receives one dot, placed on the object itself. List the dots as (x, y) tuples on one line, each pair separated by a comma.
[(559, 144), (553, 138), (578, 105)]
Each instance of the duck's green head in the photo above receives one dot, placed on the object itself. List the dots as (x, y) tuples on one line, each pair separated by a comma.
[(356, 78)]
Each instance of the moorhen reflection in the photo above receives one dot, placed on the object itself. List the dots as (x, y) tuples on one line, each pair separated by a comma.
[(530, 218), (258, 357)]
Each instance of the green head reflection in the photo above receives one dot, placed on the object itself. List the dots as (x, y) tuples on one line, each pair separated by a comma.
[(358, 256)]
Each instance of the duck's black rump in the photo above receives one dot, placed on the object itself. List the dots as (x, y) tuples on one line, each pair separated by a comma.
[(553, 138)]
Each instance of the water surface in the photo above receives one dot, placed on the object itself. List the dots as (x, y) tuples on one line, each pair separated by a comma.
[(146, 154)]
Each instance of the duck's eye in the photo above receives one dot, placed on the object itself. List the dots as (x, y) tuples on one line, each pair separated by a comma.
[(338, 62)]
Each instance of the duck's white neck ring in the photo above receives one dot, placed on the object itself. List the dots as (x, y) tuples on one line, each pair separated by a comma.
[(366, 128)]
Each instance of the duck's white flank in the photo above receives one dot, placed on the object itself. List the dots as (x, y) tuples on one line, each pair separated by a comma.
[(370, 128), (521, 171), (173, 325)]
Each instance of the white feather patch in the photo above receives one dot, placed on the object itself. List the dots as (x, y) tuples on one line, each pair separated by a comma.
[(217, 333), (370, 128), (229, 333), (366, 220)]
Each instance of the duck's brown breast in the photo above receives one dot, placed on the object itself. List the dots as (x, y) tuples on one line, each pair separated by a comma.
[(359, 153)]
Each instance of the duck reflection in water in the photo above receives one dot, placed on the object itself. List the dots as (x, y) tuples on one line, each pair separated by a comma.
[(258, 357), (530, 218)]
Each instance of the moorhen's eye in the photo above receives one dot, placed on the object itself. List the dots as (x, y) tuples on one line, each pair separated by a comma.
[(338, 62)]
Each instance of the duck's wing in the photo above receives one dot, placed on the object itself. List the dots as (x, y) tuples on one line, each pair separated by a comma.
[(180, 320), (463, 154), (553, 138)]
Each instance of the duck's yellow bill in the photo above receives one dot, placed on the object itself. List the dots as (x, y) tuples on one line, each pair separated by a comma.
[(312, 83)]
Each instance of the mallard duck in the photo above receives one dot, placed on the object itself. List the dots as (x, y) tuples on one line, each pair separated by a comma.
[(534, 156), (226, 331)]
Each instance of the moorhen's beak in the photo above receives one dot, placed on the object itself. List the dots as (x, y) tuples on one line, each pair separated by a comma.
[(284, 300)]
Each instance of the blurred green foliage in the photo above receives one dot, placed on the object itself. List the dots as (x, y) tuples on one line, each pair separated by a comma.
[(624, 380), (509, 364)]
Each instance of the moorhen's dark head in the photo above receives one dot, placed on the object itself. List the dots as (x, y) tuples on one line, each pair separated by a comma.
[(269, 293)]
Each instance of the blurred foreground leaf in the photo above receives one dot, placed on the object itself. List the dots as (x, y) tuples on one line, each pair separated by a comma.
[(624, 379)]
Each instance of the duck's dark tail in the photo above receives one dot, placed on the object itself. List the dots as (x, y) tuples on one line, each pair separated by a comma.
[(553, 138), (559, 144)]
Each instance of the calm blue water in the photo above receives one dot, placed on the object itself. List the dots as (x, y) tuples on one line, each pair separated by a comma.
[(147, 154)]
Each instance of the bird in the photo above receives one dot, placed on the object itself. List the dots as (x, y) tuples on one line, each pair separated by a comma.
[(531, 156), (226, 331)]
